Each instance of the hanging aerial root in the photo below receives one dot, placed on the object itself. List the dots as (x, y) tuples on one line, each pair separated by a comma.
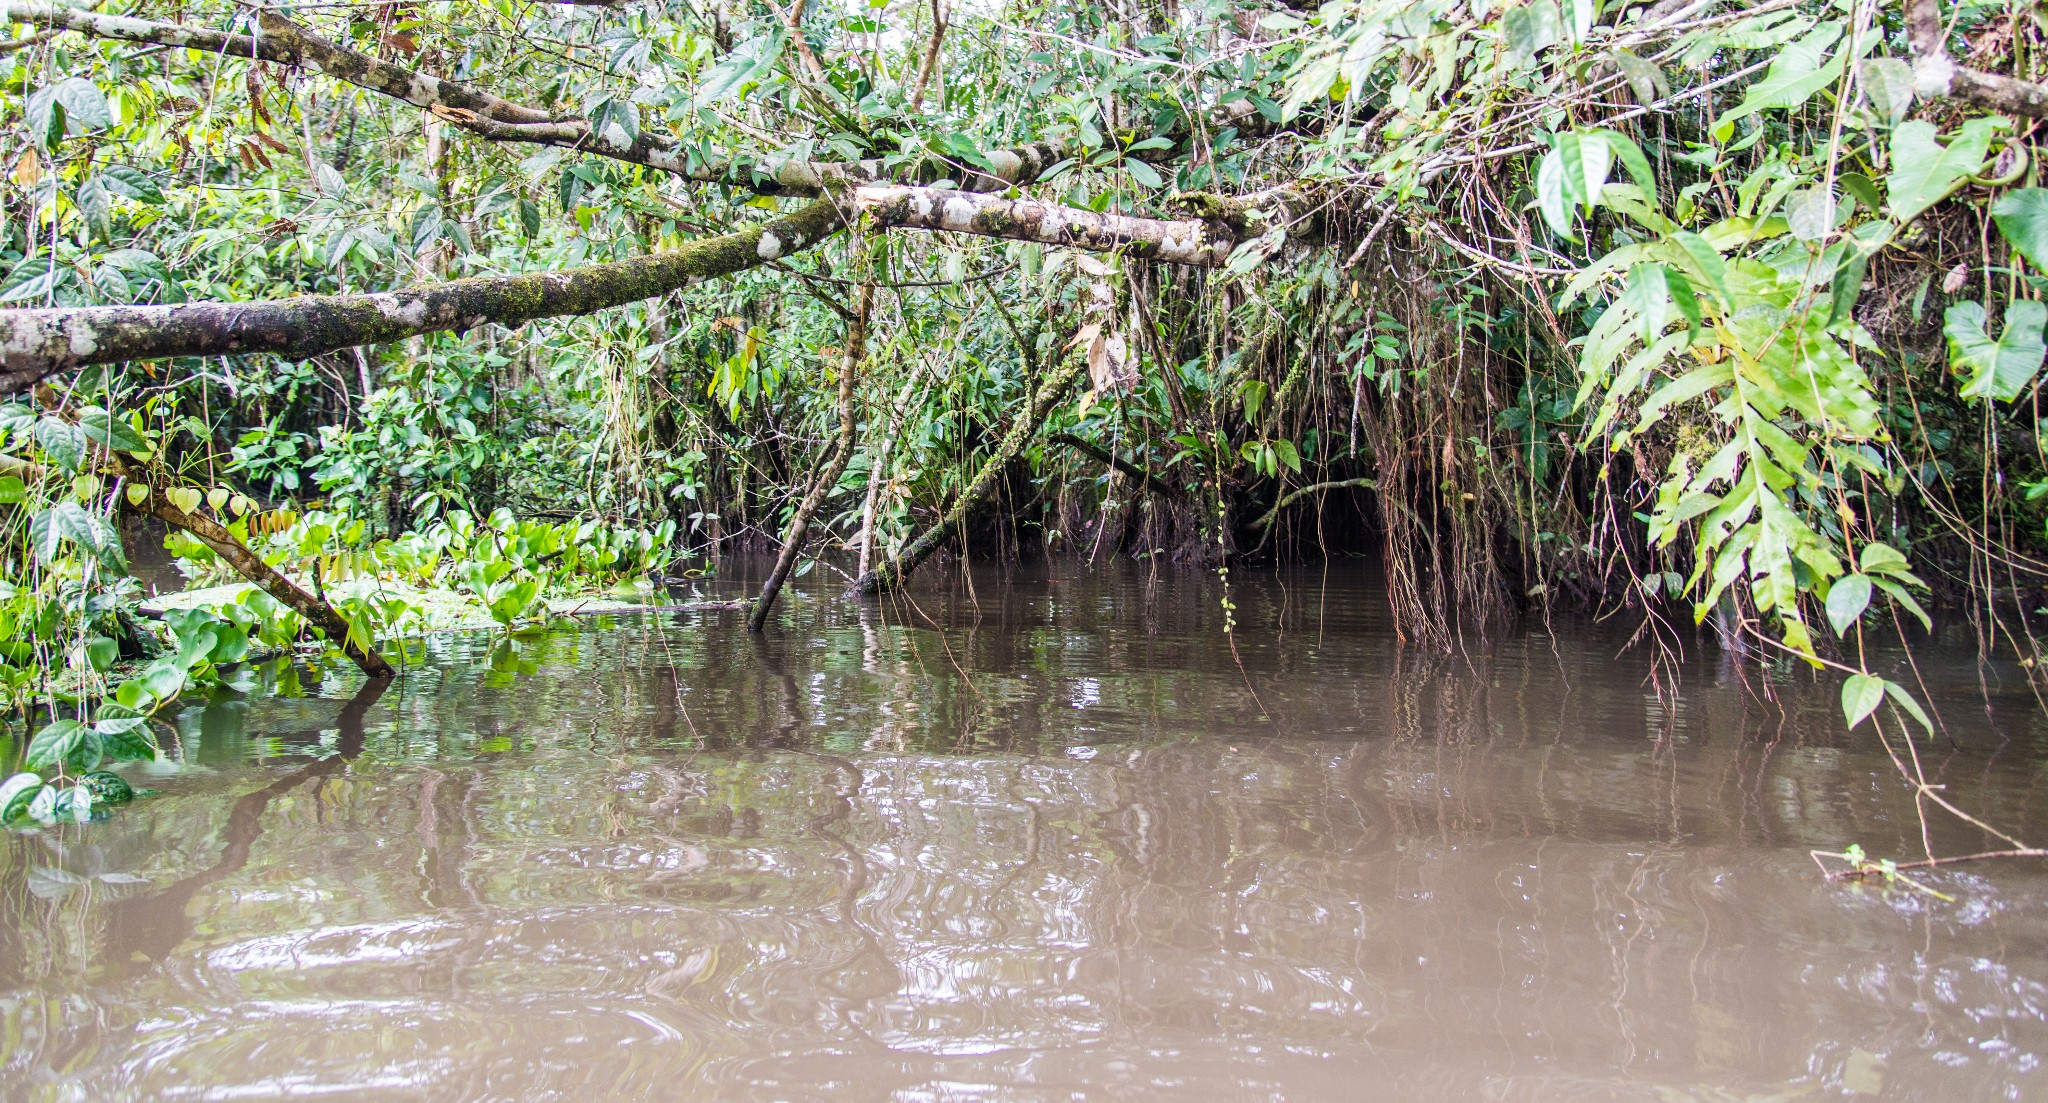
[(835, 462)]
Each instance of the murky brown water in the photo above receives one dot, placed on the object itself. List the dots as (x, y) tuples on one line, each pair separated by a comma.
[(1064, 847)]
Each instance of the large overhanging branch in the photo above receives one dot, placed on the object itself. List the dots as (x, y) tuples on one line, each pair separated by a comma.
[(280, 41), (1936, 74), (37, 343), (1187, 241)]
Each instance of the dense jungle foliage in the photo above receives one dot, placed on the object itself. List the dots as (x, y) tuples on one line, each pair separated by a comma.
[(1678, 311)]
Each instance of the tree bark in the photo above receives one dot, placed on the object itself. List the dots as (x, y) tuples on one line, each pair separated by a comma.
[(1187, 241), (280, 41), (36, 343), (835, 463), (266, 577), (890, 575), (1935, 74)]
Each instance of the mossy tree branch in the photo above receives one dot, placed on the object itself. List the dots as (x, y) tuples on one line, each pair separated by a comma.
[(37, 343)]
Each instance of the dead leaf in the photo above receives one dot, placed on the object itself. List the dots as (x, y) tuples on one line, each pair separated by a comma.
[(28, 172)]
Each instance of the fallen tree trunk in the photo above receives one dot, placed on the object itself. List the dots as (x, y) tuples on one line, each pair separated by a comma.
[(891, 574), (835, 462)]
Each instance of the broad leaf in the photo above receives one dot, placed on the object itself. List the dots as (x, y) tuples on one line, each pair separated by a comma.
[(2022, 216), (1888, 85), (1571, 176), (2000, 369), (132, 183), (1861, 695), (62, 742), (1801, 69), (1847, 598), (1924, 171)]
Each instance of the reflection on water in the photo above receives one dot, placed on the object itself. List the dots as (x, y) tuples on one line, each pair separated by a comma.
[(1049, 841)]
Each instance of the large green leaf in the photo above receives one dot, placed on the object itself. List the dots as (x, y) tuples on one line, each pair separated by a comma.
[(2022, 216), (1570, 177), (112, 430), (61, 742), (1998, 369), (1924, 171), (1801, 69), (73, 105), (1888, 85), (62, 442), (131, 182), (1861, 695), (69, 522)]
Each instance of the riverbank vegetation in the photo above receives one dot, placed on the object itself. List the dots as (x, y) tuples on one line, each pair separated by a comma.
[(1686, 312)]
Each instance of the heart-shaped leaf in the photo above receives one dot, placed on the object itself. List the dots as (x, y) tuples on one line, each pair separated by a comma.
[(2000, 369), (1924, 170)]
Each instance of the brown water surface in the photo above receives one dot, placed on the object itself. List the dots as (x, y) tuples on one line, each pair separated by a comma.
[(1050, 840)]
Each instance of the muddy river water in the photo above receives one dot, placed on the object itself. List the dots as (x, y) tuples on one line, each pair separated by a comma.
[(1048, 839)]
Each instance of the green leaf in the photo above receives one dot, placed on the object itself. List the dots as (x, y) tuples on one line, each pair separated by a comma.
[(63, 442), (1861, 695), (43, 807), (2022, 216), (31, 279), (16, 793), (2000, 369), (1847, 598), (58, 743), (132, 183), (1570, 177), (1645, 78), (102, 652), (1144, 174), (1924, 171), (1529, 28), (69, 522), (1905, 702), (111, 430), (1879, 558), (1799, 71), (1888, 85), (84, 104), (12, 490), (1812, 213)]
